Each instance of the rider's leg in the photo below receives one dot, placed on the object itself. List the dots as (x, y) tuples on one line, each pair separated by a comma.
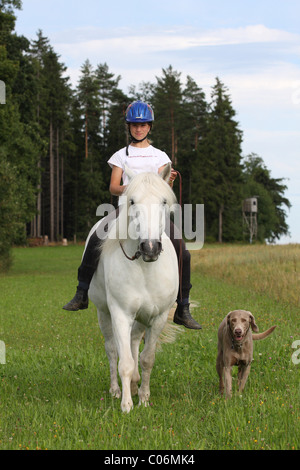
[(86, 271), (182, 314), (89, 265)]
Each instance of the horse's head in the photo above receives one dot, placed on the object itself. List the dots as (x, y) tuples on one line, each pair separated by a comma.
[(149, 199)]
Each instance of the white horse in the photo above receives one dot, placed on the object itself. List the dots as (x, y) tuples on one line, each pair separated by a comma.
[(136, 284)]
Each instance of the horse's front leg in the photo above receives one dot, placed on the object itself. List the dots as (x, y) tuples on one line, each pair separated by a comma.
[(147, 357), (122, 326), (138, 331), (111, 352)]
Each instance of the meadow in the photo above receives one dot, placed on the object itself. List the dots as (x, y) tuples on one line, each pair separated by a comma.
[(54, 384)]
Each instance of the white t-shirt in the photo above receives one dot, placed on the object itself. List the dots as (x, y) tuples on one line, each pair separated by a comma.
[(139, 160)]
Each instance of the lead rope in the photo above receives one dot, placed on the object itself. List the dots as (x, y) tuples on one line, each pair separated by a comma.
[(132, 258), (180, 263)]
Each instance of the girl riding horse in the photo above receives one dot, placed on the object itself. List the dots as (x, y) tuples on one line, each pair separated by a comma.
[(140, 156)]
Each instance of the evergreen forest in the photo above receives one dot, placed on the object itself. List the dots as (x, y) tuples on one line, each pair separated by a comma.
[(55, 140)]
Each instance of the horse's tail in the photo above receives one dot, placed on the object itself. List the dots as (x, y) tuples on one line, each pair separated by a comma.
[(169, 333)]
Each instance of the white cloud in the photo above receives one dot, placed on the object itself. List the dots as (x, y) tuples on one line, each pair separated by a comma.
[(142, 54), (247, 35), (169, 40), (275, 87)]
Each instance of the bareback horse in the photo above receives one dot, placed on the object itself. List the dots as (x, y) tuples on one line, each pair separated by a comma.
[(136, 283)]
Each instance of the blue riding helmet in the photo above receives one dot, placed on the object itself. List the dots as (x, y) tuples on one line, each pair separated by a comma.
[(138, 111)]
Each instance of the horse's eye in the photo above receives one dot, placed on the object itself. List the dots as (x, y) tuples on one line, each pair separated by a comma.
[(131, 202), (164, 202)]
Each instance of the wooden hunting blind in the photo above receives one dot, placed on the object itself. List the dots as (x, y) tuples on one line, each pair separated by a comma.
[(250, 217)]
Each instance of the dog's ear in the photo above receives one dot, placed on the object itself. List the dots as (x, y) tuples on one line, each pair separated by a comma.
[(253, 325), (228, 318)]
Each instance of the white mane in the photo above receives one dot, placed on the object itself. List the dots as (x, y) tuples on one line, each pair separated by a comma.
[(145, 184)]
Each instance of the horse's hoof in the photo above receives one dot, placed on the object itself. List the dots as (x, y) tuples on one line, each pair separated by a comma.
[(144, 399), (127, 407), (115, 392), (144, 402)]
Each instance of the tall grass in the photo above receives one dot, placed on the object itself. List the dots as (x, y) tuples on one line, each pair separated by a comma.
[(54, 385), (271, 270)]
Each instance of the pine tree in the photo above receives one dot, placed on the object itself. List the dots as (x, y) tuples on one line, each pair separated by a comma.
[(52, 101), (38, 49), (19, 142), (87, 93), (112, 103), (106, 86), (222, 147), (57, 94), (192, 129), (90, 181), (167, 102)]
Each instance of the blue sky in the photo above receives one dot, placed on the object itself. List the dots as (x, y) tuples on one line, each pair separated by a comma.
[(253, 46)]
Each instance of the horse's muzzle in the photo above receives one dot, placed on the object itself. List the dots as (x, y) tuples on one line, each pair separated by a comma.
[(150, 250)]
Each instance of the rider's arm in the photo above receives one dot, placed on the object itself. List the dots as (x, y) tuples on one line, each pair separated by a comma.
[(115, 187)]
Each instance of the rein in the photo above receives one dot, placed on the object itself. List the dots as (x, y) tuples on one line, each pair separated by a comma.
[(132, 258), (180, 241)]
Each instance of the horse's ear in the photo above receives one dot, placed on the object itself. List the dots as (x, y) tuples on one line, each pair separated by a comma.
[(166, 172), (129, 172)]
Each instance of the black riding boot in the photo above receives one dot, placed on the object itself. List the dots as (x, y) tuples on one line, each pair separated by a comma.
[(89, 264), (79, 302), (183, 317), (182, 314), (85, 273)]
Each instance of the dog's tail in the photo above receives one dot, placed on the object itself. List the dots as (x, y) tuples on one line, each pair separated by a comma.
[(264, 334)]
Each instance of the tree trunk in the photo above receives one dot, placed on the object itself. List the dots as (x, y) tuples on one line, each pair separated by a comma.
[(62, 198), (221, 210), (173, 136), (57, 185), (39, 195), (33, 227), (51, 156), (39, 202), (86, 136)]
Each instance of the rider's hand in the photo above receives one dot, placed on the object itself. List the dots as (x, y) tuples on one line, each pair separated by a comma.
[(173, 176)]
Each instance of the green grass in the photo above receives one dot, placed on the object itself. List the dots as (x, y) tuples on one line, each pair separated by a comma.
[(54, 385)]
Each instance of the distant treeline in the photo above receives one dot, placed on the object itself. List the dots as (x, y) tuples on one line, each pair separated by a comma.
[(56, 140)]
